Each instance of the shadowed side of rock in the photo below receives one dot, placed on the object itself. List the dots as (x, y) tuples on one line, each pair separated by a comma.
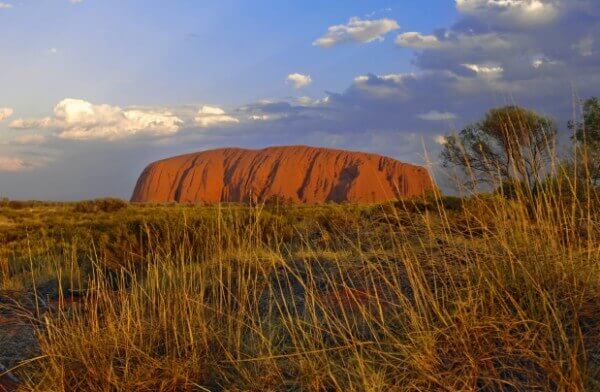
[(297, 174)]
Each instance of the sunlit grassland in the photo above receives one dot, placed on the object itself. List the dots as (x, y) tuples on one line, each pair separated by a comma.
[(485, 293)]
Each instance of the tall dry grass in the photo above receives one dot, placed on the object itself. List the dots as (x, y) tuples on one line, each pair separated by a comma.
[(493, 294)]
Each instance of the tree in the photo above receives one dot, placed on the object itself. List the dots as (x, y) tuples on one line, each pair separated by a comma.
[(586, 133), (511, 143)]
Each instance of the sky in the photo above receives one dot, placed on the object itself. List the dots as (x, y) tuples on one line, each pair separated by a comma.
[(91, 91)]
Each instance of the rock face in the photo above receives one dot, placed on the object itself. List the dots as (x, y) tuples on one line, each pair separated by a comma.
[(298, 174)]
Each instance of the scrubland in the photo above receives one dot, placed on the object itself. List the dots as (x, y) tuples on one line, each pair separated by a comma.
[(491, 292)]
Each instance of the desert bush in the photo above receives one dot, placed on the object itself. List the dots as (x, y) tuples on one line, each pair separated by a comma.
[(100, 205), (18, 204), (586, 134), (510, 143)]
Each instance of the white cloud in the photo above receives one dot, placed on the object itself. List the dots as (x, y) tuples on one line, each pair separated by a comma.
[(29, 139), (357, 30), (308, 101), (383, 85), (5, 5), (585, 46), (537, 63), (260, 117), (17, 164), (541, 61), (453, 41), (11, 164), (211, 110), (21, 123), (511, 12), (417, 40), (485, 70), (396, 78), (361, 79), (75, 1), (299, 80), (440, 139), (434, 115), (82, 120), (211, 116), (5, 113)]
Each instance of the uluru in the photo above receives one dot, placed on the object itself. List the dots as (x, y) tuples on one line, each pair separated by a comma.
[(298, 174)]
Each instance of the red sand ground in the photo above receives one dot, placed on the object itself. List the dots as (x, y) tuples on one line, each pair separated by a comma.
[(298, 174)]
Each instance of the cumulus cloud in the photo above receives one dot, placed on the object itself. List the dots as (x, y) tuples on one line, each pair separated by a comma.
[(440, 139), (15, 163), (308, 101), (585, 46), (537, 63), (273, 111), (486, 70), (396, 78), (417, 40), (10, 164), (542, 61), (434, 115), (514, 47), (5, 5), (18, 164), (28, 140), (81, 120), (5, 113), (25, 124), (260, 117), (389, 85), (472, 66), (211, 116), (298, 80), (518, 12), (357, 30), (454, 41)]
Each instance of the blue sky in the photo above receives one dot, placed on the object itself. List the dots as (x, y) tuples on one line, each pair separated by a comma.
[(91, 91), (180, 52)]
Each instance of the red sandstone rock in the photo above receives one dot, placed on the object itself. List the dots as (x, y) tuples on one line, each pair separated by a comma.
[(299, 174)]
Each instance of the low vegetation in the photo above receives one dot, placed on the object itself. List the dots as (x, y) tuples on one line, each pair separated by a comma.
[(486, 293)]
